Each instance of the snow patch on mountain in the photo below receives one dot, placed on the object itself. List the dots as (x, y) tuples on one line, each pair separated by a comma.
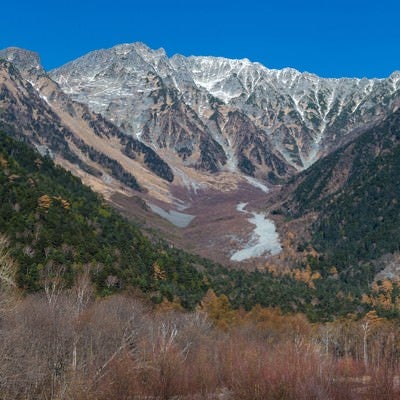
[(256, 183), (179, 219), (264, 239), (192, 185)]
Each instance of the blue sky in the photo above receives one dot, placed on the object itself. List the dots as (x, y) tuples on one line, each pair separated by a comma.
[(329, 38)]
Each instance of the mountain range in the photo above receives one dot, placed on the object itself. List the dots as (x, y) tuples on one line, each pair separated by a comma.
[(202, 142), (244, 115)]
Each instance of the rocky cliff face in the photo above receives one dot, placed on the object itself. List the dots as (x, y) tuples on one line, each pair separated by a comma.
[(221, 114), (35, 109)]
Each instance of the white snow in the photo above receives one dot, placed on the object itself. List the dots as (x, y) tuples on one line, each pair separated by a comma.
[(254, 182), (176, 84), (264, 238), (300, 111), (107, 178), (226, 144), (44, 150), (241, 206), (181, 220), (128, 87), (191, 184), (122, 50), (214, 87), (43, 97), (395, 79), (212, 74)]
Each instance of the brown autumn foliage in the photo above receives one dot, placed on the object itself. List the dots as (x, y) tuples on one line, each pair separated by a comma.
[(64, 344), (71, 345)]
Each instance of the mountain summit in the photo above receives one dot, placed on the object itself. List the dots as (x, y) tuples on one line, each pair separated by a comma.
[(25, 60), (217, 113)]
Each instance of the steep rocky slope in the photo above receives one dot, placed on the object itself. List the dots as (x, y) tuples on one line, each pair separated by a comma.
[(36, 110), (217, 113)]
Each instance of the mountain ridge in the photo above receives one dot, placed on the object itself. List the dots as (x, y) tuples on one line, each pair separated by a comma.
[(299, 115), (71, 119), (266, 124)]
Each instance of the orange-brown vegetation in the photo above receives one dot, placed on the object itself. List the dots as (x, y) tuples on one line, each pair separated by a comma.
[(46, 201), (283, 263), (73, 346), (384, 295)]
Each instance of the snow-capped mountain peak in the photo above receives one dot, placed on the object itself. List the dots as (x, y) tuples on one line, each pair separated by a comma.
[(268, 121)]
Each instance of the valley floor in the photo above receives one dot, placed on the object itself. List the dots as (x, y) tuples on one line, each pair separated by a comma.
[(212, 223)]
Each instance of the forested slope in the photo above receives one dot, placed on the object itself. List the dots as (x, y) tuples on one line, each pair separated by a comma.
[(57, 226), (356, 192)]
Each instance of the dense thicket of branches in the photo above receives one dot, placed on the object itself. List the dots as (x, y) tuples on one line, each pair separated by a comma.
[(65, 344)]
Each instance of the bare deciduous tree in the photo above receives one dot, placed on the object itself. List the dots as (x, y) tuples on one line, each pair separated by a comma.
[(8, 271)]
